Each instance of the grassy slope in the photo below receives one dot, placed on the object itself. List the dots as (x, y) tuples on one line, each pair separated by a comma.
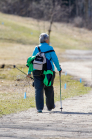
[(18, 36)]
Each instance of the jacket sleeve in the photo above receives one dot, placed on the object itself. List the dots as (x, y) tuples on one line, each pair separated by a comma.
[(55, 60), (35, 51)]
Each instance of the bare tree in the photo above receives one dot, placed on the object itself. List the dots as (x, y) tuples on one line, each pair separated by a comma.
[(53, 10), (52, 15)]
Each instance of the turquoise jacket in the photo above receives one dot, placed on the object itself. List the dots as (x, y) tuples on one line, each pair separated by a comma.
[(51, 55)]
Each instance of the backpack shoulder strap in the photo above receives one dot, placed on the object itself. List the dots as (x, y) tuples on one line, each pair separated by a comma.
[(49, 51), (46, 51), (39, 49)]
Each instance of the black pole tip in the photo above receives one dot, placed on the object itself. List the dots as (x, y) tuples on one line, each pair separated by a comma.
[(61, 109), (14, 66)]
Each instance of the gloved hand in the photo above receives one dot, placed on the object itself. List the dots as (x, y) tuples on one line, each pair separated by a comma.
[(60, 72)]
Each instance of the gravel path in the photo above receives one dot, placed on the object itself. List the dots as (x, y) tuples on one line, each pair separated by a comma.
[(74, 122), (79, 70), (81, 65)]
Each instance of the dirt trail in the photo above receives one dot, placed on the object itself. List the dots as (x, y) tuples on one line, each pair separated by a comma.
[(79, 70), (74, 122)]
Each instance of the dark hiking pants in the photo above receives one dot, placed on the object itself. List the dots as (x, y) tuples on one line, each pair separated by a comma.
[(39, 91)]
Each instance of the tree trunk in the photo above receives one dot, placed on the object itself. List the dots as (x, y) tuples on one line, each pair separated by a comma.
[(86, 11)]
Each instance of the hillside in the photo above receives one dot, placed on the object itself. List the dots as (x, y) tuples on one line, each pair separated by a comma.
[(19, 36)]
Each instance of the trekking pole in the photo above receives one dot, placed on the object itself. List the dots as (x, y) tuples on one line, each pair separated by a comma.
[(60, 91), (21, 71)]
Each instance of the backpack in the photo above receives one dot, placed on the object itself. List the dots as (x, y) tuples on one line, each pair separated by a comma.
[(40, 62)]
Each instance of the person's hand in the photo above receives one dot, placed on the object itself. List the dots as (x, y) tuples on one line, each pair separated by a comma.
[(29, 75), (60, 72)]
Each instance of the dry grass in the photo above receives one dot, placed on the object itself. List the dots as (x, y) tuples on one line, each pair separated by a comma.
[(17, 42), (15, 53), (14, 86)]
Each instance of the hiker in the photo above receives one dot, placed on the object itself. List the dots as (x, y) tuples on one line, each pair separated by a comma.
[(38, 75)]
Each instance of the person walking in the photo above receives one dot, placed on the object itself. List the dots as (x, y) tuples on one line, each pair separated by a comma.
[(38, 75)]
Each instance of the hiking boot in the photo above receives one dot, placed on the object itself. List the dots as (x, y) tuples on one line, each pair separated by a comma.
[(52, 108), (39, 111), (49, 109)]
